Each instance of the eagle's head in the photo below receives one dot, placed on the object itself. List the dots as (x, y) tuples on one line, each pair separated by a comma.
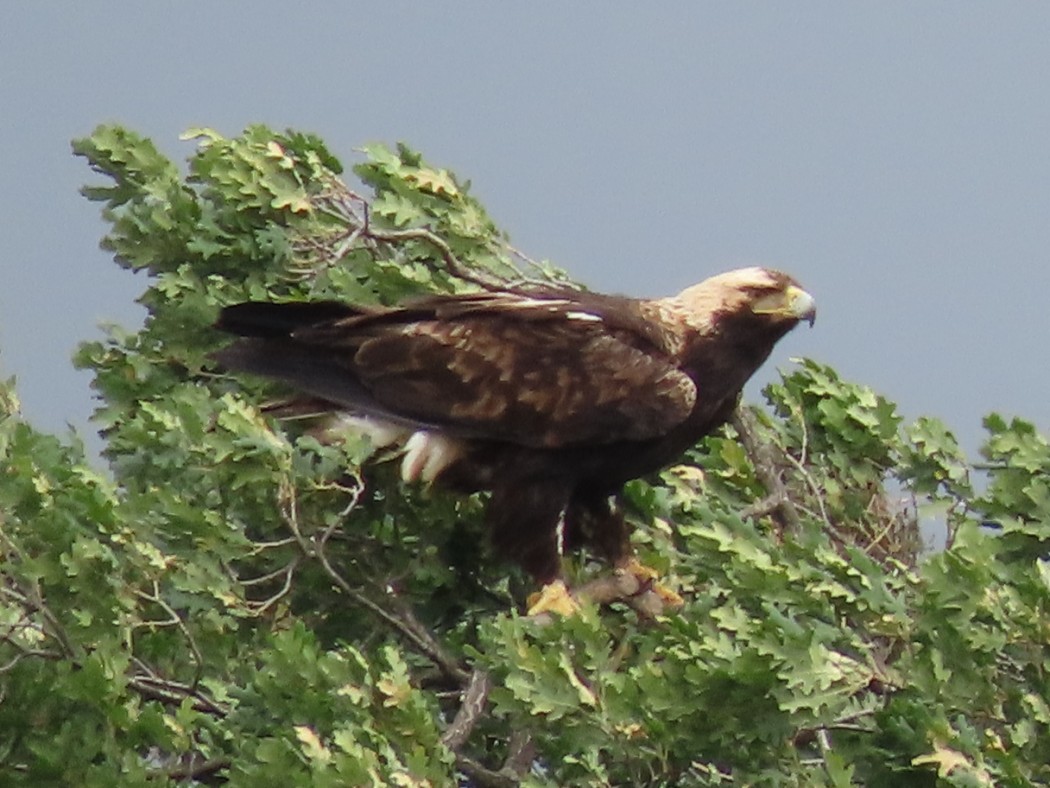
[(761, 299)]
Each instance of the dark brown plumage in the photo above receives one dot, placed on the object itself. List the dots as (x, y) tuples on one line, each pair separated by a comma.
[(551, 400)]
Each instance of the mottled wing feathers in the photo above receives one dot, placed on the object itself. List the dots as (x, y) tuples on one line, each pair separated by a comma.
[(541, 383), (539, 371)]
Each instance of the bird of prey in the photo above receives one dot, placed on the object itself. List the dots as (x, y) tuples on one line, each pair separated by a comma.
[(550, 399)]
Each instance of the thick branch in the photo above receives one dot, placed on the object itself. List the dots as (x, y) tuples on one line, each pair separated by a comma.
[(521, 752), (193, 770), (766, 468), (484, 777), (618, 586), (475, 696)]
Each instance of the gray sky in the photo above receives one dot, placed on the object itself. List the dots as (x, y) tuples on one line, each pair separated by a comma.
[(894, 156)]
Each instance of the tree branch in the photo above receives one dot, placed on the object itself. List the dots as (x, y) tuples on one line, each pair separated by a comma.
[(521, 752), (475, 697), (174, 619), (174, 693), (342, 204), (193, 770), (484, 777), (402, 621), (766, 468)]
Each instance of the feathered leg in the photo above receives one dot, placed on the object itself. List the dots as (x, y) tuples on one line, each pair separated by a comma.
[(526, 522)]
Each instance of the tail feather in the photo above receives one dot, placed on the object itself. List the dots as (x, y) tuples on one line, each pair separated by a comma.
[(268, 347), (270, 320), (314, 371)]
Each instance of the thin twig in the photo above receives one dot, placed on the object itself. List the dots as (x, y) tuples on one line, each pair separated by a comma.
[(259, 547), (352, 212), (404, 621), (32, 600), (817, 495), (452, 263), (174, 693), (26, 652), (174, 620)]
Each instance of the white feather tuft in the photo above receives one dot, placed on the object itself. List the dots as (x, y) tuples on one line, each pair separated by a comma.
[(427, 454), (379, 432)]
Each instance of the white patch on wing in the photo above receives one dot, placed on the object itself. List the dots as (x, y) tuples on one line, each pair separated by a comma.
[(427, 454), (582, 316), (518, 302)]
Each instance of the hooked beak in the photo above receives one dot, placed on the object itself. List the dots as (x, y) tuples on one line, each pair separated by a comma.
[(800, 304), (791, 303)]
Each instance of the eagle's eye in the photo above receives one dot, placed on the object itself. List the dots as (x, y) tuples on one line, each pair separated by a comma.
[(791, 302)]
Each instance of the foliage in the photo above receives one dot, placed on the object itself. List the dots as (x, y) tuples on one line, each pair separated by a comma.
[(235, 601)]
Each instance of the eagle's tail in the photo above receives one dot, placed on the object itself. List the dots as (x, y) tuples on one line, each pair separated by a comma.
[(267, 346), (269, 320)]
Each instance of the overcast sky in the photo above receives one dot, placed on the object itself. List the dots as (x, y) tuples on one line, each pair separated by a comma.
[(893, 156)]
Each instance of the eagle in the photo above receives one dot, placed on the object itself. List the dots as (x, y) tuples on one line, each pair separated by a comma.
[(550, 399)]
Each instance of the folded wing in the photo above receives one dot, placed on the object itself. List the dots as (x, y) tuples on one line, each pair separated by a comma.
[(538, 371)]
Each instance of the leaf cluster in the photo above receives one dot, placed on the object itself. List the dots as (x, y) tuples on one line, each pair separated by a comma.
[(235, 601)]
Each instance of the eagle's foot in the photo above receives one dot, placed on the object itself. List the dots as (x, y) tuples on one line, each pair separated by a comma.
[(647, 579), (634, 584), (553, 598)]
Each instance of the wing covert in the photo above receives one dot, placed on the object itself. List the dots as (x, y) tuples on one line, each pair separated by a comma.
[(553, 382)]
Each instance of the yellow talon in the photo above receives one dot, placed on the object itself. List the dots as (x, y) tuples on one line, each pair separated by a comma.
[(639, 570), (647, 578), (553, 598)]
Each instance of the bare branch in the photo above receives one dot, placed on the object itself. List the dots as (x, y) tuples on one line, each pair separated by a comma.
[(263, 605), (767, 505), (475, 696), (484, 777), (193, 770), (174, 620), (817, 495), (259, 547), (451, 262), (521, 752), (174, 693), (765, 468), (351, 213), (24, 653), (402, 620)]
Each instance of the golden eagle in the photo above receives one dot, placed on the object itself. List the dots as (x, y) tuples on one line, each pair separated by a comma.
[(551, 399)]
